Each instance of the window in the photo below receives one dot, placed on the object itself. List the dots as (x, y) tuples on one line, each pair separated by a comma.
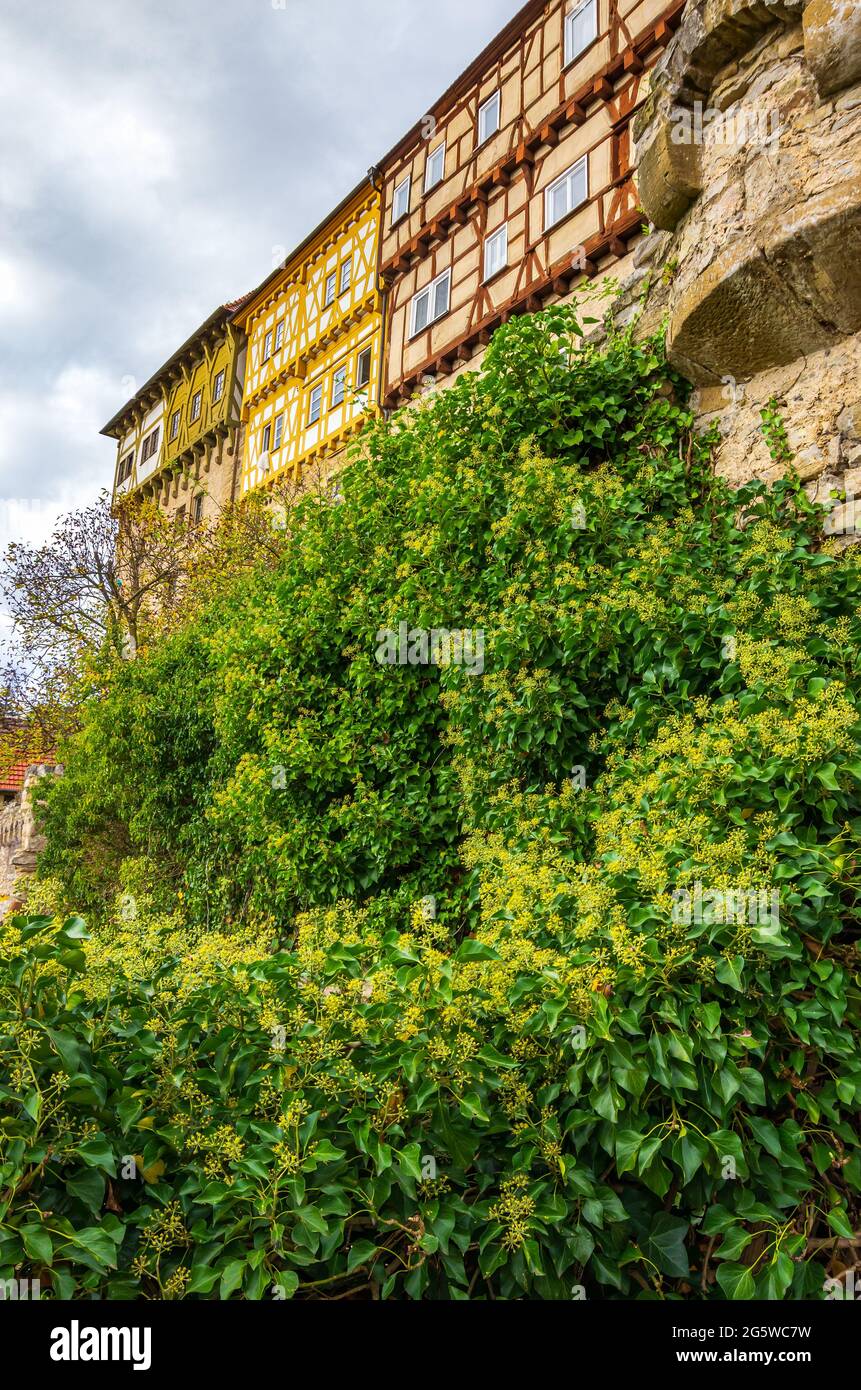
[(125, 469), (331, 281), (267, 436), (279, 335), (363, 369), (488, 118), (179, 518), (279, 430), (346, 275), (267, 346), (339, 386), (316, 405), (196, 403), (566, 193), (581, 27), (197, 510), (218, 387), (150, 445), (174, 425), (435, 167), (431, 303), (401, 200), (496, 253)]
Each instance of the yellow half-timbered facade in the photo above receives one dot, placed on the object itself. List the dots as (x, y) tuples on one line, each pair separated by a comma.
[(314, 347), (178, 438)]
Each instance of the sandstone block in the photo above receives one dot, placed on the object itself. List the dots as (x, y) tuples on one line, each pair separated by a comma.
[(849, 421), (668, 176), (832, 43)]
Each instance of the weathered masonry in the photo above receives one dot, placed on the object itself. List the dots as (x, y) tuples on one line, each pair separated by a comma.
[(518, 183), (177, 438), (749, 160), (20, 837)]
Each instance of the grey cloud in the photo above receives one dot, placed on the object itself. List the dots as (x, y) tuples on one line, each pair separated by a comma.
[(152, 155)]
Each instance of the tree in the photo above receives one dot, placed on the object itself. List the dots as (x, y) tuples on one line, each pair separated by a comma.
[(111, 578)]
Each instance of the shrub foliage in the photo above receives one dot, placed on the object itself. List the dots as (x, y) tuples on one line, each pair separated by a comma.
[(419, 981)]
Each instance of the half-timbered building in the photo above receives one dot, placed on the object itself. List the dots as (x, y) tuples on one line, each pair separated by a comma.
[(517, 184), (314, 330), (178, 437)]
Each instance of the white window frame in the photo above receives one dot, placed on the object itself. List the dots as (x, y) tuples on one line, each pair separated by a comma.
[(278, 433), (567, 178), (174, 425), (315, 400), (266, 440), (494, 99), (345, 270), (572, 53), (365, 352), (279, 335), (500, 235), (196, 406), (267, 346), (430, 163), (431, 292), (339, 379), (331, 288), (397, 199), (218, 385)]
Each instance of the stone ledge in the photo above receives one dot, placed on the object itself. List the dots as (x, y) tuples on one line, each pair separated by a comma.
[(798, 283), (713, 34)]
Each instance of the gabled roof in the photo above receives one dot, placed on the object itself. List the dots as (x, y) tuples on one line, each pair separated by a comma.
[(224, 311), (470, 75), (243, 306)]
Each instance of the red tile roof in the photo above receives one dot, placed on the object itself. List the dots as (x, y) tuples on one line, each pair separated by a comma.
[(12, 778), (15, 755)]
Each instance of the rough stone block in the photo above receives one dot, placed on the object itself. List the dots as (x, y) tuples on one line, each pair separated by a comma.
[(849, 421), (668, 175), (832, 43)]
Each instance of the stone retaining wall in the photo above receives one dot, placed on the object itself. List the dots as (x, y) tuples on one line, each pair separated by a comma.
[(749, 169)]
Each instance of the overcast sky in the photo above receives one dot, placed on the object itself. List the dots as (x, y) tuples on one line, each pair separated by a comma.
[(157, 157)]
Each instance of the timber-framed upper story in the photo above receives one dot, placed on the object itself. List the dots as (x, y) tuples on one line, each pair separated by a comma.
[(517, 183), (176, 430), (314, 332)]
